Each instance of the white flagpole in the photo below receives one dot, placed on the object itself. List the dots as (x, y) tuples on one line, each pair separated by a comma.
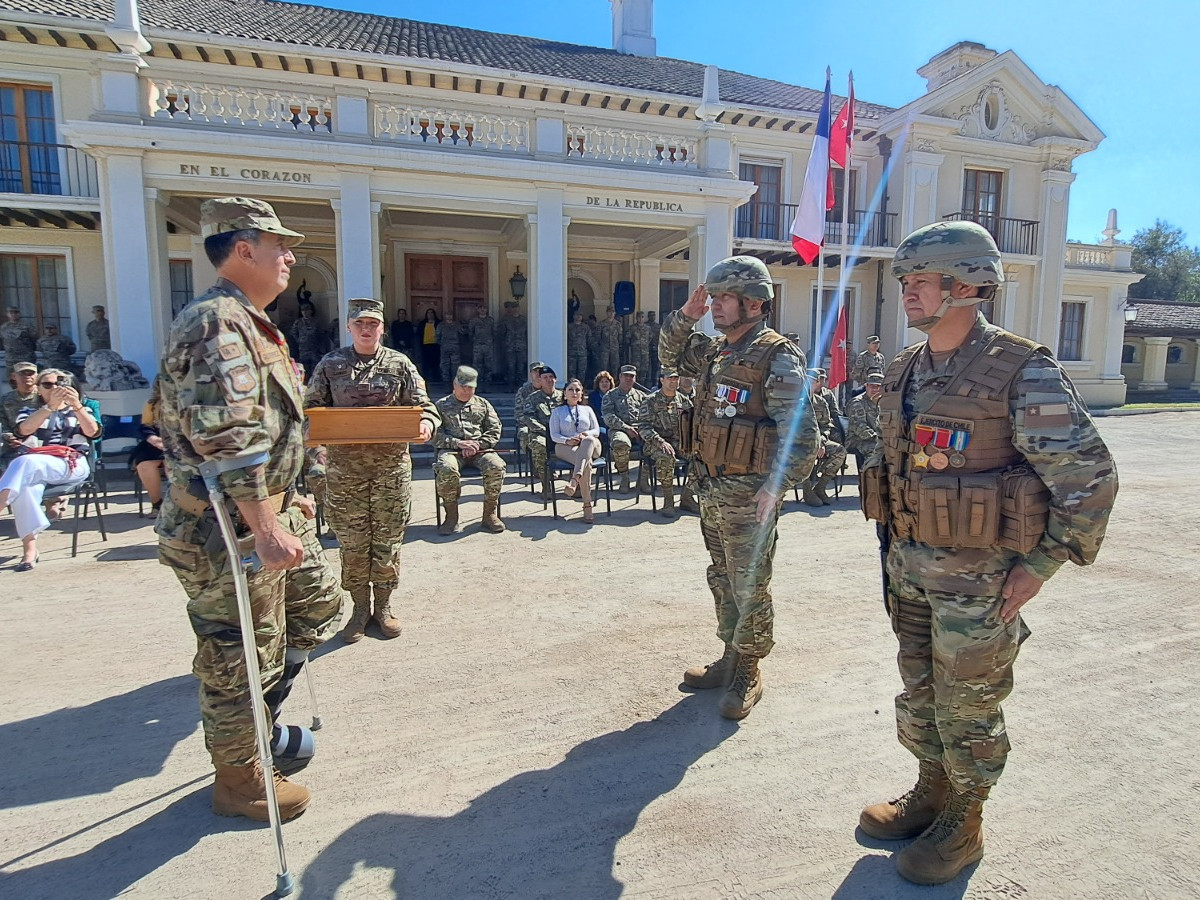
[(843, 275)]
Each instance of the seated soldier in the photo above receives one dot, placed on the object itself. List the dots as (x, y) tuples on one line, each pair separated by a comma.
[(661, 435), (519, 399), (468, 436), (538, 407), (622, 417), (863, 413), (830, 454)]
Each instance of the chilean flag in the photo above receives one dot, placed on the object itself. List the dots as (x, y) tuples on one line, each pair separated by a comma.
[(808, 228)]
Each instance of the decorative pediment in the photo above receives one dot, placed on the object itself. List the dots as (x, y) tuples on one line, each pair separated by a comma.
[(990, 117)]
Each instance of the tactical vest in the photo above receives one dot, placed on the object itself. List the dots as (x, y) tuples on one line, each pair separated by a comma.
[(743, 443), (974, 489)]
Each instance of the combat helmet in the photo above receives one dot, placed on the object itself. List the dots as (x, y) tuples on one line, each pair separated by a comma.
[(745, 276), (958, 251)]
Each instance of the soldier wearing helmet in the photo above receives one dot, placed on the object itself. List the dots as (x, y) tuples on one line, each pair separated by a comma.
[(753, 435), (989, 475)]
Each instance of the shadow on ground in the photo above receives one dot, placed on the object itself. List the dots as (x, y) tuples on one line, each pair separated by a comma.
[(874, 877), (548, 833)]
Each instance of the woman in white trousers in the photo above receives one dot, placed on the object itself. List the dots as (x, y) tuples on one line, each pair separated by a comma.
[(575, 431)]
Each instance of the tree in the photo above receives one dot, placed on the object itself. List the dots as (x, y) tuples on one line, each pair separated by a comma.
[(1171, 267)]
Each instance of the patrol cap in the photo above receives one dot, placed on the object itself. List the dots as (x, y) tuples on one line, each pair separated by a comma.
[(534, 366), (365, 308), (875, 378), (545, 370), (97, 307), (628, 370), (466, 376), (873, 339), (24, 367), (821, 373), (813, 373), (226, 214), (668, 373), (511, 304)]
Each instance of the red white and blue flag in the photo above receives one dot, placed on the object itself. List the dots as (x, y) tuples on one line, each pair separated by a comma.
[(816, 199)]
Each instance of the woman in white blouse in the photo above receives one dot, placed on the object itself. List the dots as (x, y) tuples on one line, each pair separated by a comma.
[(575, 432)]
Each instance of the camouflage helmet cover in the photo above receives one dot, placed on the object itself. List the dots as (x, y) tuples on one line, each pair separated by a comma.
[(745, 276), (963, 250)]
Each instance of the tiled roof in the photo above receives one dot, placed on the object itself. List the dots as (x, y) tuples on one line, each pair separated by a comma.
[(1165, 318), (334, 29)]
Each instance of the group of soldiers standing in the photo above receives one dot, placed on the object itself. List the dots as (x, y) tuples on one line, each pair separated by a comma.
[(22, 343), (606, 345)]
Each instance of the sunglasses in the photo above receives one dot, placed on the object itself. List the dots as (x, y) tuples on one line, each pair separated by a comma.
[(47, 384)]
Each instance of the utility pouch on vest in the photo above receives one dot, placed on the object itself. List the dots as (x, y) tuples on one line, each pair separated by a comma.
[(685, 431), (714, 441), (873, 491), (766, 445), (740, 449), (1024, 509), (959, 511)]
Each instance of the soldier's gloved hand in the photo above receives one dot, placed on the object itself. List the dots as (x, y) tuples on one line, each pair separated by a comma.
[(278, 550), (426, 431)]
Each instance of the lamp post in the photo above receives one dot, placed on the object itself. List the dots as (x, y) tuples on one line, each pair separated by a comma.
[(1130, 311), (516, 284)]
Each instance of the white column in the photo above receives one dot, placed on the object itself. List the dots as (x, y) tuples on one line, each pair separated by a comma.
[(1114, 333), (547, 288), (1047, 301), (130, 238), (920, 190), (357, 240), (160, 266), (1008, 300), (645, 279), (203, 273), (1154, 369), (1195, 385), (708, 244)]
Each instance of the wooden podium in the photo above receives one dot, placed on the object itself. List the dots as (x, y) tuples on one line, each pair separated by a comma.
[(363, 425)]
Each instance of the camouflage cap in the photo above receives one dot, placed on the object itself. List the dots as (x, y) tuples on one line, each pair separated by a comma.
[(365, 308), (668, 373), (875, 378), (534, 366), (226, 214), (466, 376), (24, 367), (963, 250), (628, 370), (98, 307), (745, 276), (873, 339)]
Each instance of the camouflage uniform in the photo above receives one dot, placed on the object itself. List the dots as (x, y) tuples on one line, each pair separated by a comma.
[(519, 399), (622, 414), (56, 350), (863, 438), (98, 335), (835, 453), (229, 389), (577, 351), (609, 341), (639, 346), (514, 332), (595, 350), (741, 549), (536, 415), (865, 364), (12, 403), (655, 330), (312, 342), (450, 334), (475, 420), (483, 346), (20, 343), (369, 486), (661, 425)]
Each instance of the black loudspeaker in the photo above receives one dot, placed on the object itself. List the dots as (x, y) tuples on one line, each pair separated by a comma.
[(624, 298)]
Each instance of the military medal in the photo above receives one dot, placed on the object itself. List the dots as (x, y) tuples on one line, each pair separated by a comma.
[(920, 459), (939, 461), (943, 441), (730, 412), (957, 460)]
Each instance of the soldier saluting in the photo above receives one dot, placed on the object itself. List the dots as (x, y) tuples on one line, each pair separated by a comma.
[(990, 476)]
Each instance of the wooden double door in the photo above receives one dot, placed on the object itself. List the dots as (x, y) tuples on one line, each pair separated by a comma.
[(445, 284)]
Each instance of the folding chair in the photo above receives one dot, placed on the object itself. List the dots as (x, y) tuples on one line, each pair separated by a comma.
[(440, 504), (555, 465), (680, 470), (84, 493)]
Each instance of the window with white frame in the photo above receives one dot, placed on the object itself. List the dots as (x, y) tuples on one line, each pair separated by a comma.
[(823, 319), (181, 284), (1070, 332), (37, 285), (762, 217)]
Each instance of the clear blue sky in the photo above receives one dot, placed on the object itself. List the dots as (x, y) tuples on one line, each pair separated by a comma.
[(1132, 67)]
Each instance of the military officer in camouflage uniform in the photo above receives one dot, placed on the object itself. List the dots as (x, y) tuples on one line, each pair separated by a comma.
[(482, 330), (467, 436), (450, 334), (609, 340), (639, 345), (660, 431), (595, 348), (863, 413), (312, 341), (750, 396), (536, 416), (519, 398), (23, 378), (56, 349), (19, 339), (368, 495), (97, 331), (230, 391), (831, 455), (655, 330), (622, 410), (869, 362), (514, 332), (990, 476), (577, 347)]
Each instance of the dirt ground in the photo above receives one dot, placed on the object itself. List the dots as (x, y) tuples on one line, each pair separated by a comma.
[(527, 737)]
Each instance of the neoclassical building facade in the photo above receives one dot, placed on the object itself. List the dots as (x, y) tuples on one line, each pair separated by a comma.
[(428, 164)]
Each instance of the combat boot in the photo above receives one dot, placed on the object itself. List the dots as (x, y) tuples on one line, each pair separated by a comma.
[(356, 626), (624, 488), (450, 522), (953, 842), (907, 816), (745, 691), (716, 674), (689, 503), (818, 489), (668, 507), (388, 623), (810, 497), (491, 515), (241, 791), (643, 481)]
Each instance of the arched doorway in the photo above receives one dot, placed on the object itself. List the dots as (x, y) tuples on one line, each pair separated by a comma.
[(578, 288)]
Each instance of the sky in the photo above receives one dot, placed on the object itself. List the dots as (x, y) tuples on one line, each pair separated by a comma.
[(1133, 68)]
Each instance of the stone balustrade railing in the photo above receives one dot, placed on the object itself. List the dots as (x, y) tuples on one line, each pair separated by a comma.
[(631, 147), (1090, 256), (241, 105), (451, 128)]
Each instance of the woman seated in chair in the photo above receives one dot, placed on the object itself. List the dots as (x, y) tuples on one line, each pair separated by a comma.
[(575, 431), (602, 384), (56, 435), (147, 457)]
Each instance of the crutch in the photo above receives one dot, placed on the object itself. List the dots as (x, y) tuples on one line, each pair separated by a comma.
[(240, 563), (312, 696)]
